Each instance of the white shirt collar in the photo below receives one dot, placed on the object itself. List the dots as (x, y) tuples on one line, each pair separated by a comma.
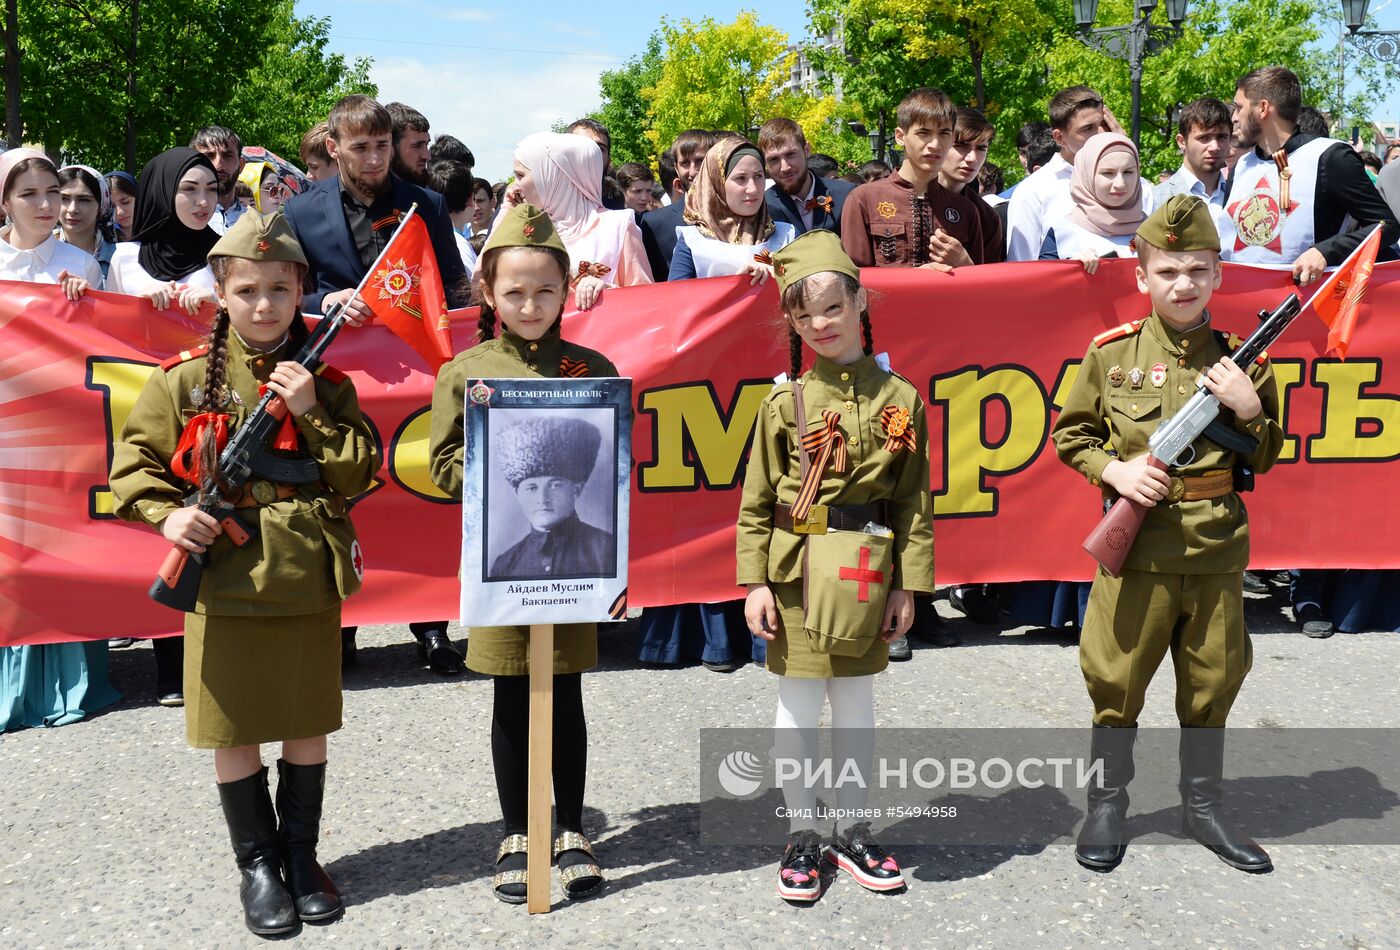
[(1191, 185), (41, 254)]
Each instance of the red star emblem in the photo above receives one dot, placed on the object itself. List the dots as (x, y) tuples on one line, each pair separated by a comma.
[(1258, 218)]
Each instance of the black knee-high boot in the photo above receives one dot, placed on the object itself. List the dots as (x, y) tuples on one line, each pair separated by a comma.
[(1202, 752), (252, 827), (300, 792), (1100, 846)]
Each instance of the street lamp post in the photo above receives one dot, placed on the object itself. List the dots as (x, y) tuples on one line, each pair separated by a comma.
[(1382, 45), (1133, 42)]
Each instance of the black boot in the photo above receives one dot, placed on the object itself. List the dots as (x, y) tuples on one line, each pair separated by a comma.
[(252, 826), (1101, 846), (300, 790), (1202, 763)]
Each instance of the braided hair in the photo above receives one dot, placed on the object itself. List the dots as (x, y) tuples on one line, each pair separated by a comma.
[(486, 276), (796, 295)]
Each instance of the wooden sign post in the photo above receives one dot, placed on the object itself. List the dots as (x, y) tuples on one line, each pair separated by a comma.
[(538, 820)]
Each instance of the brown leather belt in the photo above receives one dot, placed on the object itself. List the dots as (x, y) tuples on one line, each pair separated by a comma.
[(824, 518), (1199, 487), (262, 492)]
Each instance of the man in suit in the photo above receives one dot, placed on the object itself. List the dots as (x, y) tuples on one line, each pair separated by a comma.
[(343, 223), (659, 226), (798, 196)]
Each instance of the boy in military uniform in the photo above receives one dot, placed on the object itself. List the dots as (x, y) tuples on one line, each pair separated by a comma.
[(547, 462), (1181, 586)]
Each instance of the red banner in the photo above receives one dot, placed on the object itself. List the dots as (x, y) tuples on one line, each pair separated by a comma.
[(993, 349)]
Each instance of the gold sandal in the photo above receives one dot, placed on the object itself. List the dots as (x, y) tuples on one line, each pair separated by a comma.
[(513, 844), (579, 880)]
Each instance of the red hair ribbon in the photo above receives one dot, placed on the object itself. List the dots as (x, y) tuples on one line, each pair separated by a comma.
[(185, 462), (824, 445), (899, 429), (824, 202), (286, 438)]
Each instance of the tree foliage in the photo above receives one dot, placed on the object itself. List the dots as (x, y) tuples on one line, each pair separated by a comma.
[(113, 82), (626, 106)]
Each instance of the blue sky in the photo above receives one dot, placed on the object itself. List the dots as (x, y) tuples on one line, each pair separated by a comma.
[(491, 74)]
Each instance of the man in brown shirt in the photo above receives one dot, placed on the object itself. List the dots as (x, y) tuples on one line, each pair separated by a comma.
[(909, 219)]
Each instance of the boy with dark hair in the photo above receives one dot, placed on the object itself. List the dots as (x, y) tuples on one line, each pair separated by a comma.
[(659, 226), (909, 219), (1076, 114), (972, 137), (800, 196), (1180, 589), (449, 148), (410, 128), (635, 180), (1203, 136), (455, 183)]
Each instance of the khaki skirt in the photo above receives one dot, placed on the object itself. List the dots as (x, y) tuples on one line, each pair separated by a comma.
[(505, 651), (250, 680), (791, 652)]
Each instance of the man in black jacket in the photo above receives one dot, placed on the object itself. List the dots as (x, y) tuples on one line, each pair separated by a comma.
[(799, 197), (659, 226)]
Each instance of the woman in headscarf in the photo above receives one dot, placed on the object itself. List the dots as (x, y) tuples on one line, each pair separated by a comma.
[(727, 229), (165, 261), (563, 175), (122, 187), (57, 683), (1109, 204), (85, 220), (269, 193)]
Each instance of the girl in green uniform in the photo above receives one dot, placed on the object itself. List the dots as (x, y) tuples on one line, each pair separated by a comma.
[(524, 273), (262, 656), (834, 539)]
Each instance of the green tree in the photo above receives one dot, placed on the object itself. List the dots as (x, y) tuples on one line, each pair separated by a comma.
[(113, 82), (626, 108)]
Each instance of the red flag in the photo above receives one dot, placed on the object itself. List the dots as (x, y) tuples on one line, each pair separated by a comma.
[(405, 293), (1338, 300)]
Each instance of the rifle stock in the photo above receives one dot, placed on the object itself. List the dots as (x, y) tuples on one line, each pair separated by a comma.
[(1113, 537)]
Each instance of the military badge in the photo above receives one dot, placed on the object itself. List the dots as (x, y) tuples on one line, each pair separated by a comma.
[(1135, 377), (398, 282), (1116, 376), (480, 393), (886, 209), (1159, 374), (899, 430)]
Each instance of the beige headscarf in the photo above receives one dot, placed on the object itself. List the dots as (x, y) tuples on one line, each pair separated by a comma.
[(706, 208), (1091, 214)]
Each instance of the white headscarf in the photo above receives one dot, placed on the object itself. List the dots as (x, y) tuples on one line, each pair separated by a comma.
[(567, 171)]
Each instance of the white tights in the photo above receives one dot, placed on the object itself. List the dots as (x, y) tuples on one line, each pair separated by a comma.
[(800, 702)]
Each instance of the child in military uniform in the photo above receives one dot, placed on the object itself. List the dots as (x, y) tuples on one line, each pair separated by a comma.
[(834, 538), (1181, 587), (524, 274), (262, 654)]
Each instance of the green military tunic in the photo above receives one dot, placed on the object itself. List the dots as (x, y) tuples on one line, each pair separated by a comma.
[(251, 674), (504, 651), (1181, 585), (859, 392)]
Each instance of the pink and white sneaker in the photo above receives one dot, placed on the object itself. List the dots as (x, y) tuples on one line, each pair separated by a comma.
[(800, 874), (858, 854)]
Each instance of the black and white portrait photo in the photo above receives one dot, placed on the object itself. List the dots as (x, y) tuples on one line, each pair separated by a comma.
[(551, 498)]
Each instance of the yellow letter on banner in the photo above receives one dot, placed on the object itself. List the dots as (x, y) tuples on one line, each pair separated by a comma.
[(408, 457), (1354, 425), (120, 382), (690, 429), (968, 457)]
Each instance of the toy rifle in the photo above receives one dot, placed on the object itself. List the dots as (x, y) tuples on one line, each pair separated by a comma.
[(245, 456), (1113, 538)]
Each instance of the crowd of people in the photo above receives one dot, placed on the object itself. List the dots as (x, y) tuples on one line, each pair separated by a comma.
[(201, 219)]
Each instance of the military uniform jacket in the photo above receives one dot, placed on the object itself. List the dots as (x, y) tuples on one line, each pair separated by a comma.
[(505, 357), (571, 548), (1106, 416), (859, 392), (305, 558)]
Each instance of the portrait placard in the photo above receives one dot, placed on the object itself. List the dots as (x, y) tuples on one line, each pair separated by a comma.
[(546, 466)]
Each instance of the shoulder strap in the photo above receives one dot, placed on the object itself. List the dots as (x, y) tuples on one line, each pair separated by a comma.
[(800, 412)]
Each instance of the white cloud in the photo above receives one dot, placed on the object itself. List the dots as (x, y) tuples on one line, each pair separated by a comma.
[(492, 102)]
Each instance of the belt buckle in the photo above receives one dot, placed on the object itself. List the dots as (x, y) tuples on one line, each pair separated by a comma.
[(264, 492), (1177, 491), (814, 523)]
